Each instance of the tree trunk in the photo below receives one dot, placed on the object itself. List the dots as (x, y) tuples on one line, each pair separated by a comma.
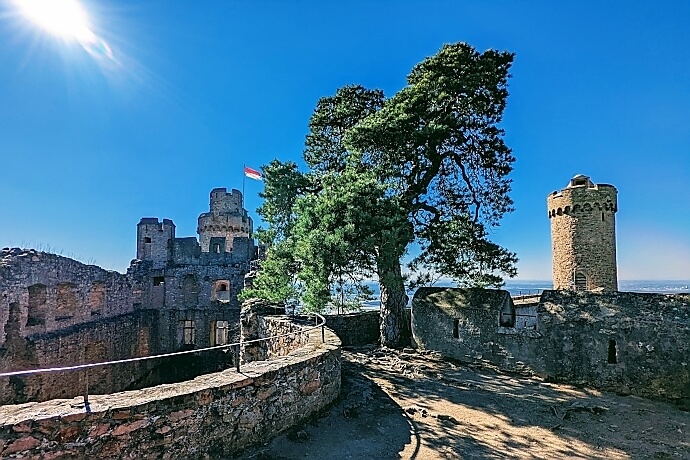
[(395, 330)]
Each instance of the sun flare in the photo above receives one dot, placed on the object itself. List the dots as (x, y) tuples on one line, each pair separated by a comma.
[(65, 18)]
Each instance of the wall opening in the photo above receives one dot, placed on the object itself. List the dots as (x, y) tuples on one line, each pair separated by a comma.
[(216, 248), (147, 239), (185, 330), (66, 301), (96, 298), (580, 281), (613, 355), (37, 305), (602, 217), (158, 292), (507, 315), (219, 333), (221, 291), (190, 290), (456, 332)]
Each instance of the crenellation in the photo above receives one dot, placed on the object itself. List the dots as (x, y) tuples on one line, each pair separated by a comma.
[(172, 282)]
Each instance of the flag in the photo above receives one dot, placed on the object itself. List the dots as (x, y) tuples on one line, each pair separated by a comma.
[(252, 173)]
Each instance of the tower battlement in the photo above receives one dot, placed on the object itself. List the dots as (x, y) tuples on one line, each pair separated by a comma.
[(226, 220), (154, 240)]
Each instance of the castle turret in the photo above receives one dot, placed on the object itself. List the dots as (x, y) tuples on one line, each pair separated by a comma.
[(226, 220), (583, 235), (155, 240)]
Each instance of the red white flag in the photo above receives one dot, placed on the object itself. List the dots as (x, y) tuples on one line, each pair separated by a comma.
[(252, 173)]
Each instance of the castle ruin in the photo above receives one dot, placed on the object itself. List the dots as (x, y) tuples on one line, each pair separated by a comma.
[(178, 294)]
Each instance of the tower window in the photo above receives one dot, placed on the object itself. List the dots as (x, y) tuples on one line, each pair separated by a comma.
[(580, 281), (158, 280), (221, 290), (613, 355), (147, 239), (602, 217), (456, 332)]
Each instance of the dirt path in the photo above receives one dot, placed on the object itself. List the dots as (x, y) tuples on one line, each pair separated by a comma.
[(409, 405)]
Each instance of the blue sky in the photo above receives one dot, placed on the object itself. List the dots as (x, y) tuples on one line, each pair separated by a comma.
[(194, 90)]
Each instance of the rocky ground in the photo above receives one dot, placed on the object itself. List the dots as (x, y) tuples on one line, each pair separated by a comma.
[(403, 404)]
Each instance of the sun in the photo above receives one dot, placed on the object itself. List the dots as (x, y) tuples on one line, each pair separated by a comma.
[(64, 18)]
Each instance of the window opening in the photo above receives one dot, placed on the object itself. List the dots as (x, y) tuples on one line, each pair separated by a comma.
[(613, 355), (147, 239), (67, 301), (190, 290), (187, 327), (507, 315), (37, 305), (158, 280), (580, 281), (456, 332), (219, 333)]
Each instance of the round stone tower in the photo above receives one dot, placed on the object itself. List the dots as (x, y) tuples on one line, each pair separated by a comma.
[(226, 219), (583, 235)]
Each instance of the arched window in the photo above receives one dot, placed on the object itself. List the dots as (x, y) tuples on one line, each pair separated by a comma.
[(221, 290), (580, 281)]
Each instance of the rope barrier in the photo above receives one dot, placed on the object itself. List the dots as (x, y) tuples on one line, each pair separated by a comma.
[(167, 355)]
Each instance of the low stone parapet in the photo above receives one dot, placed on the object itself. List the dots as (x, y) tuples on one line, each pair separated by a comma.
[(211, 416)]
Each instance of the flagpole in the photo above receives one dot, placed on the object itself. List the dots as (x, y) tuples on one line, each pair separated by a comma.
[(244, 179)]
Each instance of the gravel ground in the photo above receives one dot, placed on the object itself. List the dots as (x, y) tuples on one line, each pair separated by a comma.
[(404, 404)]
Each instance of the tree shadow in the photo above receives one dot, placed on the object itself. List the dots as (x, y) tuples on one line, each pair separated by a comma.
[(397, 405), (465, 411)]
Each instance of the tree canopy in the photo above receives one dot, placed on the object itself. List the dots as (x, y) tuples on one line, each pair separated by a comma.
[(426, 167)]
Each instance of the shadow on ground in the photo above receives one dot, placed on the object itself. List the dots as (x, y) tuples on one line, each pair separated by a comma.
[(363, 423), (419, 406)]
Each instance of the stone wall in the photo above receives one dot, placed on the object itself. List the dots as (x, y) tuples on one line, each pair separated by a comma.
[(194, 297), (625, 342), (260, 319), (120, 337), (51, 292), (583, 235), (360, 328), (212, 416)]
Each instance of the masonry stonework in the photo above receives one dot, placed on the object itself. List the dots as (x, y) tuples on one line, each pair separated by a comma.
[(55, 311), (583, 235), (212, 416), (620, 341)]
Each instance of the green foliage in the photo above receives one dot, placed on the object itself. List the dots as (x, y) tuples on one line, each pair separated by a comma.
[(438, 144), (275, 281), (427, 166)]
